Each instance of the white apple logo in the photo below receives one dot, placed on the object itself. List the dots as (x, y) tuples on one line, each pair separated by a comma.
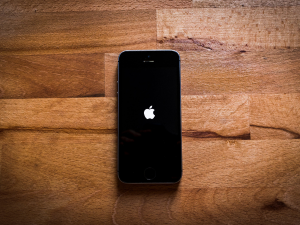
[(149, 113)]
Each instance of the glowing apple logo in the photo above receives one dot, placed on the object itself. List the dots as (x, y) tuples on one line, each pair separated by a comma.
[(149, 113)]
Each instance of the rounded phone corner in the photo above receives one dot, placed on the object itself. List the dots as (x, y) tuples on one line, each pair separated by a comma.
[(179, 179), (120, 179), (176, 54), (122, 53)]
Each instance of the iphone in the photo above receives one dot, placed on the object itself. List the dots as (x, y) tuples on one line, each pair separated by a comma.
[(149, 117)]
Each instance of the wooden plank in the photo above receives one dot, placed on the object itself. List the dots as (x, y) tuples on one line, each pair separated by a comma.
[(77, 32), (207, 206), (243, 3), (59, 113), (275, 116), (52, 76), (57, 206), (215, 117), (236, 163), (70, 177), (111, 74), (53, 160), (90, 5), (205, 117), (215, 72), (154, 206), (72, 160), (224, 29)]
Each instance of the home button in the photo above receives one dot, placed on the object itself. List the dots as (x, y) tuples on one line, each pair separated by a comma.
[(150, 173)]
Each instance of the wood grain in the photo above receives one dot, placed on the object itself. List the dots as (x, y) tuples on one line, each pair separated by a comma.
[(236, 163), (77, 32), (52, 76), (228, 72), (208, 206), (59, 113), (243, 3), (275, 116), (215, 116), (111, 74), (74, 161), (89, 5), (57, 160), (71, 178), (223, 29), (214, 72), (205, 117), (153, 206), (85, 206), (240, 110)]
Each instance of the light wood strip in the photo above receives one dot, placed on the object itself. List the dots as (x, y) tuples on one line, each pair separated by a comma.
[(59, 113), (153, 205), (89, 5), (52, 76), (111, 74), (52, 160), (215, 117), (209, 206), (80, 206), (204, 117), (223, 29), (215, 72), (243, 3), (77, 32), (235, 163), (275, 116), (71, 178)]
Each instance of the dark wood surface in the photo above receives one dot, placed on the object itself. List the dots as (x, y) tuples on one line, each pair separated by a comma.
[(240, 111)]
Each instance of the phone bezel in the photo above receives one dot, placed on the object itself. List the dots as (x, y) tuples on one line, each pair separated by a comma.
[(136, 60)]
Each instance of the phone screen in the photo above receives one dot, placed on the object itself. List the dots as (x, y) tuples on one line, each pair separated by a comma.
[(149, 124)]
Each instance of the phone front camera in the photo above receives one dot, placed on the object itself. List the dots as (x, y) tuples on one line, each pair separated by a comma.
[(148, 56)]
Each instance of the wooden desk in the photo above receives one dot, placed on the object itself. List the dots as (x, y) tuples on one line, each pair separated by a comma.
[(240, 111)]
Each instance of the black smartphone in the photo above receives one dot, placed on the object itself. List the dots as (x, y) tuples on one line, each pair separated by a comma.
[(149, 117)]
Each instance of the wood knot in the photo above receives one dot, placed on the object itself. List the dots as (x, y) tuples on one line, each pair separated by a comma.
[(275, 206), (231, 142)]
